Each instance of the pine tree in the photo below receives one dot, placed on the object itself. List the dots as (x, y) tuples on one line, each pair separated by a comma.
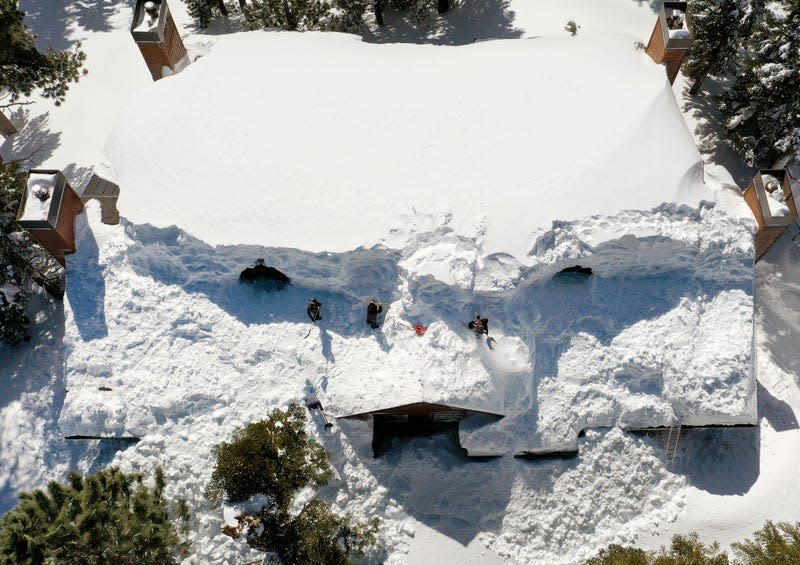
[(774, 544), (291, 15), (619, 555), (204, 11), (717, 28), (314, 535), (276, 457), (24, 69), (14, 320), (348, 16), (762, 107), (109, 517), (683, 550)]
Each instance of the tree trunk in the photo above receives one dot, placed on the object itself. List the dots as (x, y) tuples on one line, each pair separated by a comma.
[(442, 6), (287, 14), (222, 9), (782, 161), (242, 4), (698, 82), (378, 12)]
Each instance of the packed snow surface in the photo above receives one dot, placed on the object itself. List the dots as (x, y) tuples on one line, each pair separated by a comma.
[(332, 144)]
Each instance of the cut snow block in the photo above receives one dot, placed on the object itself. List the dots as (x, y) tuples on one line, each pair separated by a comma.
[(105, 192), (155, 33), (415, 419), (770, 199), (671, 38), (48, 209)]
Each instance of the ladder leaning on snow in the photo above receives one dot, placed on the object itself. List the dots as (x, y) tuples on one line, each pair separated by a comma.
[(671, 443)]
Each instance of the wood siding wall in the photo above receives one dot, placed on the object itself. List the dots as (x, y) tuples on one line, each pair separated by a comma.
[(655, 47), (766, 238), (672, 58), (751, 198), (7, 129), (165, 54), (173, 43)]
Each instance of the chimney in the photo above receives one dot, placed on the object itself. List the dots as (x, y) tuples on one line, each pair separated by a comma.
[(48, 209), (770, 199), (671, 38), (155, 33)]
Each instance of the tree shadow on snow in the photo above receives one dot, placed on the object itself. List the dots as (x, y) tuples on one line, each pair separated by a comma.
[(714, 148), (35, 142), (467, 21), (655, 5), (52, 21), (31, 396), (343, 282)]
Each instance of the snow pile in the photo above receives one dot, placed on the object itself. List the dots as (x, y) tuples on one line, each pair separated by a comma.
[(605, 350), (336, 144), (183, 332)]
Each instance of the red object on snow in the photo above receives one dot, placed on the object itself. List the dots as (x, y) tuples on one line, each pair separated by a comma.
[(420, 329)]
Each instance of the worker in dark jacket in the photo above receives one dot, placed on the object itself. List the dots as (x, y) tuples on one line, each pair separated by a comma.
[(373, 309), (479, 325), (313, 310)]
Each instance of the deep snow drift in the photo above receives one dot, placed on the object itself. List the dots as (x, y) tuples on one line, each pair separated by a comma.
[(331, 144)]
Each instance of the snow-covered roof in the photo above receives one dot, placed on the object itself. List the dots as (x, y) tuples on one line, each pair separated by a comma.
[(478, 172), (331, 144)]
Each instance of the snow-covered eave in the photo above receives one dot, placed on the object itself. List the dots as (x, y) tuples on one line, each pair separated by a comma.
[(421, 405)]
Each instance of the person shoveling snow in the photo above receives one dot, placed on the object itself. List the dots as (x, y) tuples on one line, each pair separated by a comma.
[(312, 402), (373, 309), (481, 327), (314, 310)]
